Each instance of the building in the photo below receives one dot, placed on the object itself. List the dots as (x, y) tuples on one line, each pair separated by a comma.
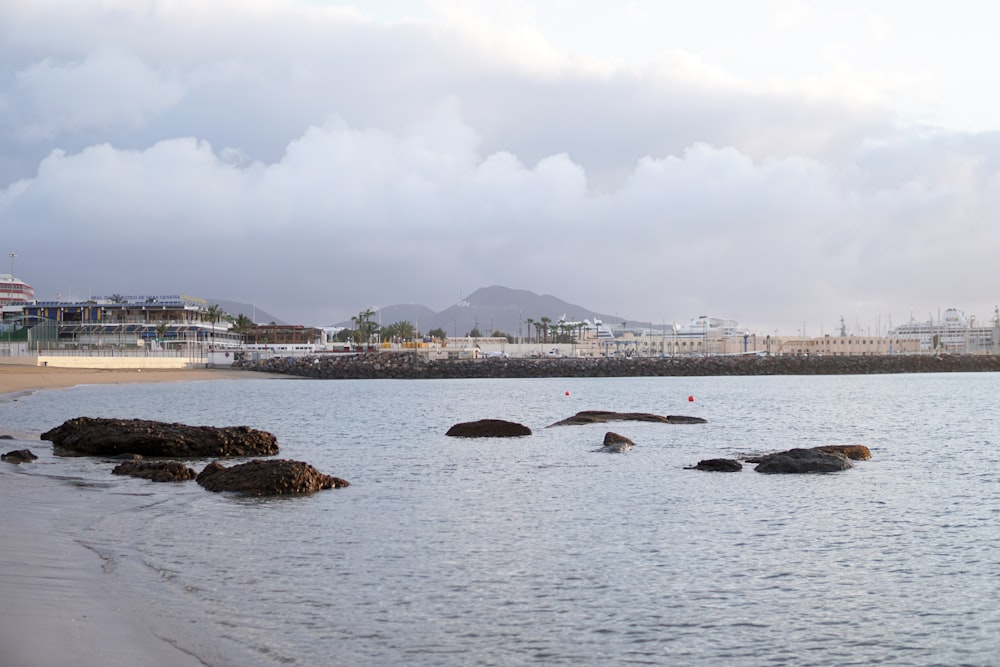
[(122, 322)]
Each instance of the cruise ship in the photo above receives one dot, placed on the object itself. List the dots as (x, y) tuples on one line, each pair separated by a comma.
[(14, 292), (952, 332)]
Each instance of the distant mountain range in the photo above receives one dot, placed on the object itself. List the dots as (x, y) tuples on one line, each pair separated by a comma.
[(235, 309), (489, 309)]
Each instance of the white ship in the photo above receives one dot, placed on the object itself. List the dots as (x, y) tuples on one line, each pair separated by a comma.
[(14, 292)]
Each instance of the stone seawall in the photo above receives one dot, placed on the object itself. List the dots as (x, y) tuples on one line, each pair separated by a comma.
[(408, 366)]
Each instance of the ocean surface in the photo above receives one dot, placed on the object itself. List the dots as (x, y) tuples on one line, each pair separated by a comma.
[(543, 551)]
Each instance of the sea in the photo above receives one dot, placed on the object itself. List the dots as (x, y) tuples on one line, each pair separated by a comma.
[(543, 550)]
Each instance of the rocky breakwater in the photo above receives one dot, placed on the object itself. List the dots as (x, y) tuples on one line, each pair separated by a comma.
[(411, 366), (111, 437)]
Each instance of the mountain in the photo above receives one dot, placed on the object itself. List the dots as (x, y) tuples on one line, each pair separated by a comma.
[(490, 309), (256, 315)]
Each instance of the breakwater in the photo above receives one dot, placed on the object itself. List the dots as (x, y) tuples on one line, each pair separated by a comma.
[(410, 366)]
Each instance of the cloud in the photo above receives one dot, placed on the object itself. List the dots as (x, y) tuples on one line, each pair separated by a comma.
[(315, 161)]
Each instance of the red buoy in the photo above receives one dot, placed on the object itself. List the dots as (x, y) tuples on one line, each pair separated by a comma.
[(690, 399), (567, 393)]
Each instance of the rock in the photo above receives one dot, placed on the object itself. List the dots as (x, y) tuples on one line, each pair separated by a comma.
[(157, 471), (488, 428), (265, 478), (718, 465), (681, 419), (803, 461), (615, 443), (18, 456), (602, 416), (110, 437), (6, 436), (127, 457), (854, 452)]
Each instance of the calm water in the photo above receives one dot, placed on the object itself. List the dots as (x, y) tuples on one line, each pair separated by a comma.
[(541, 551)]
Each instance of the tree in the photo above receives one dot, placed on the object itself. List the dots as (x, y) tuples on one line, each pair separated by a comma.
[(216, 314), (161, 331), (475, 333), (364, 327), (438, 333), (529, 322), (401, 331), (545, 327), (243, 325)]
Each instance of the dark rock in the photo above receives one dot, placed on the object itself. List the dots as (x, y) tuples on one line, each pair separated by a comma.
[(18, 456), (6, 436), (488, 428), (718, 465), (854, 452), (796, 461), (615, 443), (681, 419), (110, 437), (157, 471), (128, 457), (603, 416), (265, 478)]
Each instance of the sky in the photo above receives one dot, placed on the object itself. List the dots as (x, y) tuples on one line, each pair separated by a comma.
[(785, 164)]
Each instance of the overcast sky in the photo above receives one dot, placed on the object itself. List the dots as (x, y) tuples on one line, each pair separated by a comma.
[(781, 163)]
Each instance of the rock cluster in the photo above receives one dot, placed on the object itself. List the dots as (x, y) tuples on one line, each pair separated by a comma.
[(488, 428), (156, 471), (271, 477), (110, 437), (372, 365)]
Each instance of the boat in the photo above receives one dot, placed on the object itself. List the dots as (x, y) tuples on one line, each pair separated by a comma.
[(15, 292)]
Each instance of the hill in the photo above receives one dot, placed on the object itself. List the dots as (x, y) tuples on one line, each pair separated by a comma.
[(256, 315), (490, 309)]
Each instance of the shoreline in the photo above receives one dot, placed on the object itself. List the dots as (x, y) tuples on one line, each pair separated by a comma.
[(16, 379), (58, 605)]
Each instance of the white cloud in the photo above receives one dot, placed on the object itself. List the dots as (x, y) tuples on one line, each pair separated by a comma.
[(312, 159)]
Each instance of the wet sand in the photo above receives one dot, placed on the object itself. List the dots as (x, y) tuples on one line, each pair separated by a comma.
[(56, 607)]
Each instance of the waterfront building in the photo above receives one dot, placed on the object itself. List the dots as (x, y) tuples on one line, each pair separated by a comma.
[(125, 322)]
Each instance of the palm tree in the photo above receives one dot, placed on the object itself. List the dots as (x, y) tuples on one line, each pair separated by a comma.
[(161, 331), (243, 325), (364, 327), (529, 322), (215, 314), (545, 327)]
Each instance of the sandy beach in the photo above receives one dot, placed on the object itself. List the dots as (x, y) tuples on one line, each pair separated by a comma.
[(55, 606), (26, 378)]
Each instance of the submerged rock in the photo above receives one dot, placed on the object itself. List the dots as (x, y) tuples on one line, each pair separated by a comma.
[(717, 465), (266, 478), (111, 437), (18, 456), (156, 471), (488, 428), (616, 443), (797, 461), (603, 416)]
